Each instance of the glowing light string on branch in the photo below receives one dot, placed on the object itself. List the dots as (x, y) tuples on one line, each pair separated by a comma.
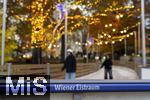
[(117, 9), (115, 39)]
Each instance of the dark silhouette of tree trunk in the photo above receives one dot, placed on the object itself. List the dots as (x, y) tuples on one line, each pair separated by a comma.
[(37, 55)]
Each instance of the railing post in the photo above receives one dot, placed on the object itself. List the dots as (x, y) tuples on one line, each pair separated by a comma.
[(9, 68), (48, 69), (2, 68), (139, 71)]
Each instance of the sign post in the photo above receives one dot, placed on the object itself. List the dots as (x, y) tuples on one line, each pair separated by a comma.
[(143, 32), (66, 28), (3, 31)]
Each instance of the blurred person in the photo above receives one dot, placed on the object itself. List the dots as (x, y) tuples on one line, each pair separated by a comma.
[(107, 64), (70, 65)]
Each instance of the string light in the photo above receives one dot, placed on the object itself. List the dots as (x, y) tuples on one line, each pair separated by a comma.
[(101, 43), (119, 8), (101, 36), (109, 36), (79, 43), (128, 35), (121, 32), (117, 16), (121, 15), (113, 42), (115, 39), (86, 44), (114, 30), (131, 33), (125, 31), (106, 25), (54, 46), (110, 25), (106, 42)]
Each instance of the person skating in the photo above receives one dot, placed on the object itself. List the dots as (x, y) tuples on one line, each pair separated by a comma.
[(107, 64), (70, 65)]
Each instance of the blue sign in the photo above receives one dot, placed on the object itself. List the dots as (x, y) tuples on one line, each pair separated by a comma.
[(91, 40), (60, 7), (72, 87)]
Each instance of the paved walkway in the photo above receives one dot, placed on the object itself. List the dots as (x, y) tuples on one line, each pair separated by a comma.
[(119, 73)]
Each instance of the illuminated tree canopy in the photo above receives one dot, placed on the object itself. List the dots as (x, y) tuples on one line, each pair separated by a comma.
[(108, 20), (10, 40)]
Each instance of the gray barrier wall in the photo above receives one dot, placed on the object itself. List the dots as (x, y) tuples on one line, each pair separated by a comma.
[(102, 96)]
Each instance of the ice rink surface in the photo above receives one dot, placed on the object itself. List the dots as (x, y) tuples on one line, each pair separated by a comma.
[(119, 73)]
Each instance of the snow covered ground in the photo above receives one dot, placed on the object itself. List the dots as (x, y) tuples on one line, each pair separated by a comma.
[(119, 73)]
